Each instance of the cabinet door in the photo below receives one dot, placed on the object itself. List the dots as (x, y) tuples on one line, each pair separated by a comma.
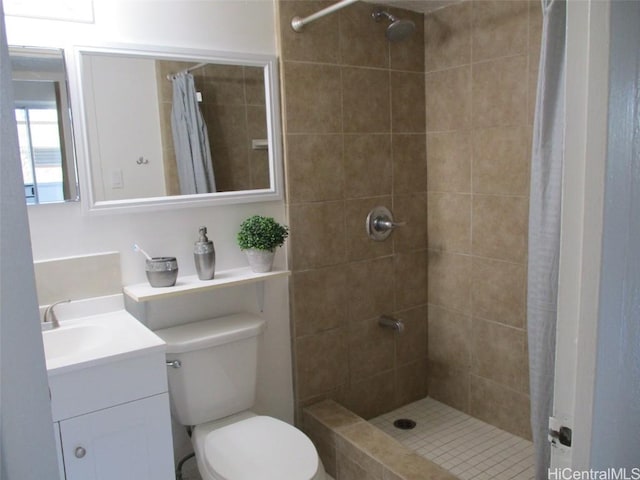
[(127, 442), (56, 429)]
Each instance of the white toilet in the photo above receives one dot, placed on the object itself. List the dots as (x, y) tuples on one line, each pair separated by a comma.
[(213, 389)]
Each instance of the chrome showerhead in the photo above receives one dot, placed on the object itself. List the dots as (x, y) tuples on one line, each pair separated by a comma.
[(399, 29)]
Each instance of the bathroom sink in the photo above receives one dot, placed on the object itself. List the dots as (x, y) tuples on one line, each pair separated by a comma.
[(100, 356), (87, 337), (71, 340)]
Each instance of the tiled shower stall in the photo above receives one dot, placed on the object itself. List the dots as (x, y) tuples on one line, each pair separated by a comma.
[(438, 129)]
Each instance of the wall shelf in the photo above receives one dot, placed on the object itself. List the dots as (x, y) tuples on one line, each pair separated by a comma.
[(143, 292)]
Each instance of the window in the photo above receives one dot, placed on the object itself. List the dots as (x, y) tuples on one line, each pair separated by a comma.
[(39, 139)]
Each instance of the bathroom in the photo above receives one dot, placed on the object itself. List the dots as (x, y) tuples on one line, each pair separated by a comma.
[(329, 256)]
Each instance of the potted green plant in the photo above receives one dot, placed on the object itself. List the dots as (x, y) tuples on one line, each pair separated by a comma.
[(259, 237)]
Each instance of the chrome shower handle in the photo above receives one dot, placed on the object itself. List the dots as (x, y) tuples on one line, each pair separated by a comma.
[(380, 223)]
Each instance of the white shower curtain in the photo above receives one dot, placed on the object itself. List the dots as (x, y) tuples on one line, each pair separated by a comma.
[(190, 138), (544, 225)]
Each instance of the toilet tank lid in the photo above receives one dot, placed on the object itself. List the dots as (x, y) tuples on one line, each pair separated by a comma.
[(212, 332)]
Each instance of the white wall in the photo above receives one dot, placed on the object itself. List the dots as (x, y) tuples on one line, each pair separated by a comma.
[(61, 230), (222, 25), (121, 138)]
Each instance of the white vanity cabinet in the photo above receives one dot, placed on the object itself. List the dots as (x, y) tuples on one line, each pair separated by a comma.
[(109, 399), (124, 442)]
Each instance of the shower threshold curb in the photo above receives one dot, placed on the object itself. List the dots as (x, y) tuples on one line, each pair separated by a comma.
[(350, 445)]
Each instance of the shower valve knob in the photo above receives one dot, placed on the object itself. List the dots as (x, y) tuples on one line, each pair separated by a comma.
[(380, 224)]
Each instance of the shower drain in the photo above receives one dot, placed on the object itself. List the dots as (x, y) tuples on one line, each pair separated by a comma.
[(404, 424)]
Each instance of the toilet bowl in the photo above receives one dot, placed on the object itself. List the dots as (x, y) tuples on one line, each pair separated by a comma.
[(256, 447), (213, 389)]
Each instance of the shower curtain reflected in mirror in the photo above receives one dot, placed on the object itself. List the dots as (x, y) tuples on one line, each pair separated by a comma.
[(544, 225), (190, 138)]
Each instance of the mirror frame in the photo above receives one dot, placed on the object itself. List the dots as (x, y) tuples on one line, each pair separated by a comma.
[(69, 165), (274, 136)]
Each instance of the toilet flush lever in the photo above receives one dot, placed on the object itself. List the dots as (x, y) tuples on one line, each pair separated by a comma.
[(174, 363)]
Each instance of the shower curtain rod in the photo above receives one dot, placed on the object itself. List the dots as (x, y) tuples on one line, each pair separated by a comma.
[(298, 23), (186, 70)]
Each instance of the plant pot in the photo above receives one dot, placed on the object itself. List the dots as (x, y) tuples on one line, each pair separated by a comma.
[(260, 261)]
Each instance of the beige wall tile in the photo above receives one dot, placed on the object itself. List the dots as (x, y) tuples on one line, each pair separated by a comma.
[(448, 98), (320, 40), (499, 28), (411, 382), (498, 291), (500, 406), (367, 165), (415, 467), (449, 385), (535, 30), (408, 54), (450, 280), (227, 125), (411, 209), (348, 469), (532, 90), (449, 162), (320, 361), (499, 91), (500, 227), (498, 353), (410, 279), (332, 415), (370, 288), (304, 84), (359, 245), (362, 40), (315, 168), (365, 100), (448, 37), (221, 84), (317, 234), (411, 345), (449, 221), (373, 396), (407, 102), (501, 160), (449, 338), (366, 443), (254, 85), (371, 349), (319, 299), (409, 163)]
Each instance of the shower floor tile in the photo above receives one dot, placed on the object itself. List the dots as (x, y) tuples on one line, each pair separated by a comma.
[(465, 446)]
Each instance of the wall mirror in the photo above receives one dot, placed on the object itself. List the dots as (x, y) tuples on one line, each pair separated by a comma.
[(168, 128), (43, 118)]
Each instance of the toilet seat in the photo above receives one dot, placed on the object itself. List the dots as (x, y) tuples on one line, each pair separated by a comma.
[(258, 447)]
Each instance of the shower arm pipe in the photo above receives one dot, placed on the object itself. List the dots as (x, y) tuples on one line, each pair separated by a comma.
[(171, 76), (298, 23)]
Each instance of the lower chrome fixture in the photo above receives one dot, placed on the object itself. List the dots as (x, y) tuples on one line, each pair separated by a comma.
[(404, 424), (380, 223), (387, 321)]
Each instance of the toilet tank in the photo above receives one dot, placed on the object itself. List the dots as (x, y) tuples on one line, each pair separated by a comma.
[(218, 363)]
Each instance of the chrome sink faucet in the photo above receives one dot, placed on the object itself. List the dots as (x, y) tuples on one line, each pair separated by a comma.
[(50, 314)]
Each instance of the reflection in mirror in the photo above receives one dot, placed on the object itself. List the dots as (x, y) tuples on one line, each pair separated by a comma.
[(162, 125), (43, 119)]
